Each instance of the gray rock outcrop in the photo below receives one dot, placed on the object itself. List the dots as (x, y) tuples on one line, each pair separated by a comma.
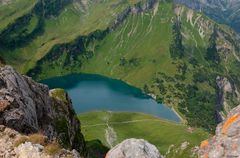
[(223, 11), (24, 105), (29, 107), (228, 97), (134, 148)]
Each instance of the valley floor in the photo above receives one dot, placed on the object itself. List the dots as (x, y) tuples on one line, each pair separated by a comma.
[(113, 127)]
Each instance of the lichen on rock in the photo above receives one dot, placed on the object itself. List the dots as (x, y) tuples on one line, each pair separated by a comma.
[(226, 142)]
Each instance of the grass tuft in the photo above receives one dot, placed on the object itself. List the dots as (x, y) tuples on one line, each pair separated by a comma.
[(52, 148), (20, 141), (38, 139)]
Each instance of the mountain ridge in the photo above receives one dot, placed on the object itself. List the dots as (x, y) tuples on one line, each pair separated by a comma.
[(223, 11)]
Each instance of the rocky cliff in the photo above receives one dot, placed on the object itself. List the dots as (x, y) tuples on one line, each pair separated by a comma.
[(226, 142), (228, 97), (28, 108)]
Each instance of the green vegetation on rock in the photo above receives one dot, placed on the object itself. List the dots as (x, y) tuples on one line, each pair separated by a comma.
[(63, 23)]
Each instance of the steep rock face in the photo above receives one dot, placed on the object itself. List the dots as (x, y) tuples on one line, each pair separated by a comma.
[(66, 123), (25, 105), (226, 142), (224, 11), (28, 107), (228, 97), (134, 148)]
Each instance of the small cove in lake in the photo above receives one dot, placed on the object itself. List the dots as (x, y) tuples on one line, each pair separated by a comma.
[(97, 93)]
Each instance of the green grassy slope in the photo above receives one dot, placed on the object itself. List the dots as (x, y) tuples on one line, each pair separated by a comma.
[(141, 44), (10, 12), (74, 20), (165, 135), (143, 52), (143, 38)]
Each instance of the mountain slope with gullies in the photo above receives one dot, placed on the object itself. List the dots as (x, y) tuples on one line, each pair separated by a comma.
[(224, 11), (27, 35), (183, 58)]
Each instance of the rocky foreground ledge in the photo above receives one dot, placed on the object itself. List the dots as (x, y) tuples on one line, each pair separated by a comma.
[(33, 118)]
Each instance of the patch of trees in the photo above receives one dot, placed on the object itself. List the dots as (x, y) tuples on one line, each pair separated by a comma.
[(75, 52), (17, 34), (193, 61), (146, 89), (197, 104), (235, 79), (2, 61), (182, 69), (50, 8), (160, 85), (199, 108), (176, 47), (129, 62), (200, 76), (212, 53)]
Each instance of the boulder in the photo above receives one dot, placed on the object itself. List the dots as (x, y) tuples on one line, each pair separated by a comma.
[(134, 148)]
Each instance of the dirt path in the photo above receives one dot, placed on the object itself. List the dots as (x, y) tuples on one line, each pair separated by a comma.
[(125, 122), (110, 134), (236, 56)]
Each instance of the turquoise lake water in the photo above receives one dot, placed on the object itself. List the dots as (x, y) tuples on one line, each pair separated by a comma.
[(97, 93)]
